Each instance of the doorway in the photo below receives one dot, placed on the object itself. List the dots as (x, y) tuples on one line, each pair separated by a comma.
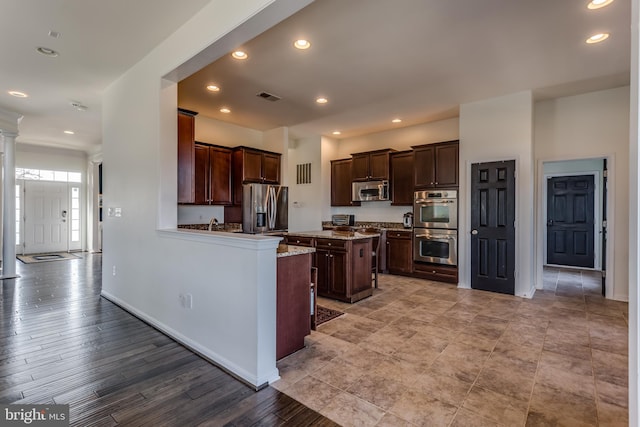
[(46, 212), (571, 220)]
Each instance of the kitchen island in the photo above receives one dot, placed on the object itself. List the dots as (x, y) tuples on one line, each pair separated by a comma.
[(343, 260)]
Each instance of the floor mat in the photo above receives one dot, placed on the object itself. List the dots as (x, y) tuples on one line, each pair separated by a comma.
[(324, 314), (57, 256)]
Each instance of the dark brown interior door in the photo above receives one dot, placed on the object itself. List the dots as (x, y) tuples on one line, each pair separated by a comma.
[(570, 237), (492, 226)]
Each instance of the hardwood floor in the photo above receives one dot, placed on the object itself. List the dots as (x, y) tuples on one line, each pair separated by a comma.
[(60, 342)]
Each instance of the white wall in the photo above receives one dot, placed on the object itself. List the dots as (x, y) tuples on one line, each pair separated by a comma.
[(492, 130), (214, 131), (591, 125), (304, 199), (231, 278)]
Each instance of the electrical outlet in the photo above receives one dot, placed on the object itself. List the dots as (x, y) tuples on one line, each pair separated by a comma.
[(114, 270)]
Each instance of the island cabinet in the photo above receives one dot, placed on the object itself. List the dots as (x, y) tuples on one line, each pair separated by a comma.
[(371, 165), (341, 183), (399, 252), (186, 156), (436, 165), (344, 269), (401, 178), (293, 305), (212, 175)]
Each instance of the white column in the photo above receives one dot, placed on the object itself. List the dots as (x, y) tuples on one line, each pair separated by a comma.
[(9, 206)]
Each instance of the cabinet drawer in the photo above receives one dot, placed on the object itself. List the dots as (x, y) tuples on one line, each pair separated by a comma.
[(399, 234), (331, 244), (300, 240)]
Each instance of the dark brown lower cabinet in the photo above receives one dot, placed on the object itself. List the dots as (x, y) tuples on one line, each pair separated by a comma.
[(438, 272), (399, 252), (344, 269), (293, 307)]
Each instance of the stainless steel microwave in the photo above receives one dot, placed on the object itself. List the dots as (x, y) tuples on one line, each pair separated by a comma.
[(370, 191)]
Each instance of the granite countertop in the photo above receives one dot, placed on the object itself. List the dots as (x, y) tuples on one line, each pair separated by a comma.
[(379, 225), (229, 227), (333, 234), (291, 250)]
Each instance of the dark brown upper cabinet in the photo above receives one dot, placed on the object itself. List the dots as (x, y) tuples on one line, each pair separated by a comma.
[(372, 165), (436, 165), (402, 178), (341, 183), (256, 166), (186, 156), (213, 175)]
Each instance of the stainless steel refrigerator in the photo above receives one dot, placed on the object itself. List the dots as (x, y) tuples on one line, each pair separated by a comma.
[(265, 208)]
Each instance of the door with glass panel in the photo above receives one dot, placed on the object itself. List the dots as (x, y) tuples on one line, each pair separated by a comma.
[(46, 217)]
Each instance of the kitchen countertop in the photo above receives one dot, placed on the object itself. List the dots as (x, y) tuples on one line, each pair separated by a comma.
[(333, 234), (292, 250), (379, 225)]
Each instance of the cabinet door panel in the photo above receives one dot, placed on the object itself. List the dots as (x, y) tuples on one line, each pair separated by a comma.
[(186, 158), (402, 179), (425, 173), (360, 167), (271, 168), (379, 165), (324, 273), (399, 255), (447, 165), (339, 269), (341, 182), (220, 163), (201, 175), (252, 166)]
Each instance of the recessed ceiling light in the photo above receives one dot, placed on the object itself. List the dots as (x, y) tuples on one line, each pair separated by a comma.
[(302, 44), (18, 94), (336, 132), (396, 120), (597, 4), (47, 52), (238, 54), (597, 38), (69, 132), (322, 100), (225, 110), (213, 88)]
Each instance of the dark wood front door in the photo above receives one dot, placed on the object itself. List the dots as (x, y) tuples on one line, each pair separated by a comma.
[(492, 225), (570, 237)]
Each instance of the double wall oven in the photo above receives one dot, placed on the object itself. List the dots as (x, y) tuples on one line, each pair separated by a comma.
[(435, 216)]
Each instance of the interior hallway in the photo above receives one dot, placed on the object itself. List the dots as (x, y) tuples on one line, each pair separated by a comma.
[(430, 354)]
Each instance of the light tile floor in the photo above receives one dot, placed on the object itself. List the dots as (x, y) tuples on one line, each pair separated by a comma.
[(429, 354)]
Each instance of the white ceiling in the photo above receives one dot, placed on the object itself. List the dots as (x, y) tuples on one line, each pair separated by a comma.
[(373, 59), (100, 40), (415, 59)]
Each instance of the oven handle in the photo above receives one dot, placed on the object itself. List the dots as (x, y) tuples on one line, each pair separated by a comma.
[(431, 201), (435, 238)]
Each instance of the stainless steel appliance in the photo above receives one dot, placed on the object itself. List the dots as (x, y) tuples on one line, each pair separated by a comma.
[(435, 245), (407, 220), (435, 209), (343, 219), (370, 191), (265, 208)]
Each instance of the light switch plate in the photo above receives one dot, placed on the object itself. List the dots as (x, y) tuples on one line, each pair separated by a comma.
[(118, 212)]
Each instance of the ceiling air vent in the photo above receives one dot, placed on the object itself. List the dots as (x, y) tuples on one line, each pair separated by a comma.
[(268, 96)]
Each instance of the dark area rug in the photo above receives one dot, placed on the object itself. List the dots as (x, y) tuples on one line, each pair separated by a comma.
[(324, 314), (58, 256)]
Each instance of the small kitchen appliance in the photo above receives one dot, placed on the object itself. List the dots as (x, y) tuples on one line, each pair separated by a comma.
[(343, 219), (370, 191), (407, 220)]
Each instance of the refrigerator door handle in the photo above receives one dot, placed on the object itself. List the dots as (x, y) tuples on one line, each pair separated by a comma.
[(271, 208)]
